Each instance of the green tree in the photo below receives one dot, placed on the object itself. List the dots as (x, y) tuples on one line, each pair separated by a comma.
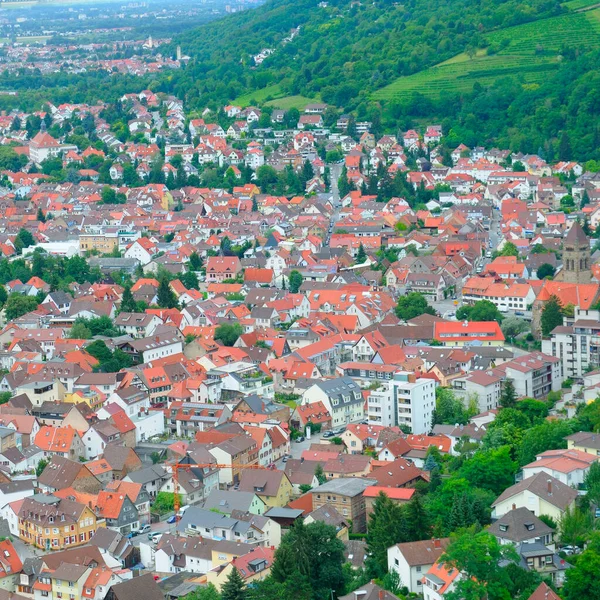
[(449, 410), (509, 249), (189, 280), (295, 280), (478, 557), (24, 239), (234, 588), (128, 303), (195, 262), (204, 593), (492, 470), (41, 466), (166, 296), (228, 333), (18, 305), (108, 195), (361, 255), (482, 310), (576, 526), (164, 503), (552, 315), (513, 326), (413, 305), (549, 435), (40, 216), (387, 526), (508, 396), (582, 581), (320, 474), (545, 270), (79, 331)]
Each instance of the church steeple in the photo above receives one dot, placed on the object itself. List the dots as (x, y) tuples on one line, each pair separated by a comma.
[(576, 257)]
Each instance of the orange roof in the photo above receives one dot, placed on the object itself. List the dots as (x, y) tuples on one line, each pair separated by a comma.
[(258, 275), (55, 439), (109, 504), (394, 493), (130, 489), (577, 294), (452, 331), (10, 563), (141, 282)]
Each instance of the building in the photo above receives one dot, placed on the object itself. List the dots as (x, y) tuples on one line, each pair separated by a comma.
[(521, 526), (576, 257), (405, 400), (483, 386), (534, 375), (345, 494), (370, 591), (542, 494), (577, 345), (412, 560), (48, 522), (461, 333), (342, 398), (439, 581), (568, 466)]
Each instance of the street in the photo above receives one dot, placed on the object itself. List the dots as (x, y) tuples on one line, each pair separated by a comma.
[(162, 527)]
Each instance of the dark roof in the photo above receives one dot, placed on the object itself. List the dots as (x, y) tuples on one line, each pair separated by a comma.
[(576, 235), (143, 586), (559, 494), (370, 591), (519, 525)]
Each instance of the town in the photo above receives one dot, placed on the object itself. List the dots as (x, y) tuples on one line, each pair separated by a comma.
[(261, 352)]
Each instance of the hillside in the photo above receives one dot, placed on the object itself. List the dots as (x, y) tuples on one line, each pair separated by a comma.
[(343, 51)]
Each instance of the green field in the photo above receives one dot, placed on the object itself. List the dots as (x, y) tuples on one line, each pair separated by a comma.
[(526, 51), (288, 102), (259, 96), (579, 4)]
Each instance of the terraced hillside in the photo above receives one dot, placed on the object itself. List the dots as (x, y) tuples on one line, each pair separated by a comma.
[(527, 51)]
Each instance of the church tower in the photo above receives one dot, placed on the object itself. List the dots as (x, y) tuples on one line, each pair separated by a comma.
[(576, 257)]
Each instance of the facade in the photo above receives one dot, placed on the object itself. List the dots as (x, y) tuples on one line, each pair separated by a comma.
[(534, 375), (576, 257), (341, 397), (405, 400)]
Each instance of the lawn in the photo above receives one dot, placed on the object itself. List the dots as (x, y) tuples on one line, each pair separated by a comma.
[(579, 4), (259, 96), (288, 102), (527, 51)]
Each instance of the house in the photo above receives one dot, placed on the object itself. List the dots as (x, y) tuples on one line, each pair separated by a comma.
[(315, 413), (60, 441), (48, 522), (543, 592), (142, 250), (137, 325), (341, 397), (10, 567), (584, 442), (238, 450), (440, 580), (227, 501), (122, 460), (222, 268), (370, 591), (345, 494), (568, 466), (143, 586), (150, 478), (253, 566), (412, 560), (271, 486), (460, 333), (118, 511), (61, 473), (521, 526), (542, 494)]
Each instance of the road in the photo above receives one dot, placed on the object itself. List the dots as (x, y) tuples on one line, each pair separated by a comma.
[(335, 171), (162, 527)]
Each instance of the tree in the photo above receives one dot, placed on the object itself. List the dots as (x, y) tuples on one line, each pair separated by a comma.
[(575, 526), (549, 435), (79, 331), (195, 263), (449, 410), (166, 296), (234, 588), (545, 270), (189, 280), (413, 305), (508, 397), (295, 280), (18, 305), (41, 466), (552, 316), (361, 255), (582, 581), (482, 310), (40, 216), (128, 303), (564, 147), (513, 326), (492, 470), (509, 249), (320, 474), (24, 239), (109, 195), (204, 593), (164, 503), (228, 334), (478, 557), (387, 526)]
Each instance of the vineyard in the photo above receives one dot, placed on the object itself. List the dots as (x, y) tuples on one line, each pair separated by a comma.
[(525, 51)]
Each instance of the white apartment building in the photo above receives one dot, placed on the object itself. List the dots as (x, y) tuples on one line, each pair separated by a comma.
[(534, 375), (576, 345), (405, 400)]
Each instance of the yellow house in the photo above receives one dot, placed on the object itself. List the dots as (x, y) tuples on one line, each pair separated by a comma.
[(253, 566), (68, 581), (93, 399), (272, 487), (584, 442), (52, 523)]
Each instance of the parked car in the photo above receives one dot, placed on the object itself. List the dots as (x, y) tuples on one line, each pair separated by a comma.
[(300, 439), (328, 434), (154, 536), (144, 529), (131, 534), (284, 459), (172, 519)]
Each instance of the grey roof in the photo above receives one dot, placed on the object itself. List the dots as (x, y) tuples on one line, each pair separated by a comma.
[(196, 517), (559, 494), (226, 501), (278, 512), (148, 474), (342, 388), (345, 486), (143, 586), (519, 525)]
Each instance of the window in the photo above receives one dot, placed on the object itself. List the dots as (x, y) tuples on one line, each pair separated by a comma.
[(418, 569)]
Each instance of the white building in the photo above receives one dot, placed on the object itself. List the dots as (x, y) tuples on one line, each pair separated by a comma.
[(412, 560), (341, 396), (483, 386), (405, 400), (534, 375)]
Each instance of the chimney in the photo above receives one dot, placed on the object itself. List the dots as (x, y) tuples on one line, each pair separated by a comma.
[(381, 594), (514, 507), (549, 487), (437, 543)]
